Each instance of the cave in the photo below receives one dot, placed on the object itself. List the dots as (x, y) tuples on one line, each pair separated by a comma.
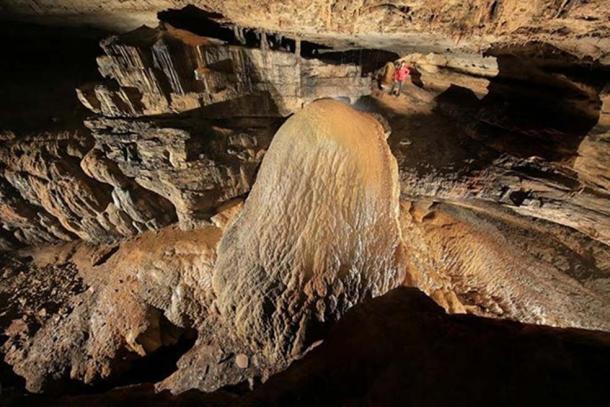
[(275, 203)]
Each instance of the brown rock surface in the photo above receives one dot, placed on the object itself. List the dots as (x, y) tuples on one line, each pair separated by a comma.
[(491, 262), (143, 291), (139, 297), (579, 27), (498, 161), (318, 233), (402, 349), (51, 198), (169, 70), (139, 175), (593, 161), (189, 161)]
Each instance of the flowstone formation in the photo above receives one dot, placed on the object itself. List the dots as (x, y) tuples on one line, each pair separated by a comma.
[(487, 261), (318, 233)]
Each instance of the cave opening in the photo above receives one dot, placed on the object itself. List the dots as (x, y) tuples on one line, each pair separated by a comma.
[(156, 365)]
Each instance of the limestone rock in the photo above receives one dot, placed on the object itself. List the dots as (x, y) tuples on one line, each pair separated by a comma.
[(140, 297), (490, 262), (191, 162), (50, 198), (130, 177), (593, 159), (167, 70), (506, 179), (318, 232), (530, 187), (436, 25)]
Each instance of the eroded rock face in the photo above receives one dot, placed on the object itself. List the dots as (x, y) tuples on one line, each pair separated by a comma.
[(137, 297), (131, 177), (194, 163), (334, 208), (168, 70), (180, 127), (576, 26), (504, 204), (318, 232), (50, 198), (490, 262), (593, 158)]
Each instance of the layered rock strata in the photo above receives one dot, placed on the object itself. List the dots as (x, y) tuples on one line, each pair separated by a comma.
[(132, 176), (181, 125), (157, 71), (594, 150), (499, 217)]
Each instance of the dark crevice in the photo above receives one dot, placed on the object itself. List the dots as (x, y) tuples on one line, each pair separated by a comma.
[(543, 102), (106, 256), (40, 68), (162, 362)]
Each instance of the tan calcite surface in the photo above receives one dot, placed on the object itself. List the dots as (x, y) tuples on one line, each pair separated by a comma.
[(489, 223), (594, 150), (129, 289), (318, 233), (489, 262)]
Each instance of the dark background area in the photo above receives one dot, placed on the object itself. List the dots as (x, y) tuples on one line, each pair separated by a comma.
[(40, 68)]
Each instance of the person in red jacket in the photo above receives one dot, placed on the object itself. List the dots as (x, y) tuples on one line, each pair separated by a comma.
[(400, 74)]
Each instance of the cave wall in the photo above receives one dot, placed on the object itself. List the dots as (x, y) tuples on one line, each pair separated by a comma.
[(177, 127), (578, 27)]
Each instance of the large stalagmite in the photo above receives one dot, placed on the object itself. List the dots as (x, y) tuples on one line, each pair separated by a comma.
[(318, 233)]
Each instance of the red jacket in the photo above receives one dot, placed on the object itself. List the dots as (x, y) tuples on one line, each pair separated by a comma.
[(401, 73)]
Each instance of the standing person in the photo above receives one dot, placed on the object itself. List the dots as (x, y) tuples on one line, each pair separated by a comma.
[(400, 74)]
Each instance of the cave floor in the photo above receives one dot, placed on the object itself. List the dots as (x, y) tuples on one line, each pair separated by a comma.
[(402, 349)]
